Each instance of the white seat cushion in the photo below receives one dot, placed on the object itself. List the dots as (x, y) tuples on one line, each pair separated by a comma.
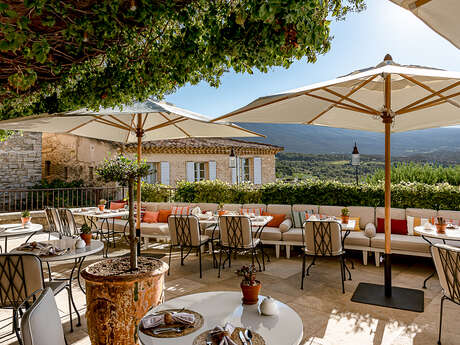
[(402, 243), (357, 238), (293, 235), (269, 234), (152, 229)]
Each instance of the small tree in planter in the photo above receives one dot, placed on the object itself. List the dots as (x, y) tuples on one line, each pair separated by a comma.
[(125, 171), (249, 285)]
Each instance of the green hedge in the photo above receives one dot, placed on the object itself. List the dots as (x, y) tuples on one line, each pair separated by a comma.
[(404, 195), (154, 192)]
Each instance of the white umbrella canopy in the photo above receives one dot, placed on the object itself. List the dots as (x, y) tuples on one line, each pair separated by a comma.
[(439, 15), (421, 97), (386, 98), (160, 120)]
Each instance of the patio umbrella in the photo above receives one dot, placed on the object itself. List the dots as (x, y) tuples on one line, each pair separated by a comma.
[(149, 120), (439, 15), (386, 98)]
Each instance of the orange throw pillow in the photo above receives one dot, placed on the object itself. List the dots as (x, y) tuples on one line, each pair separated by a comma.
[(116, 205), (277, 219), (163, 216), (151, 217)]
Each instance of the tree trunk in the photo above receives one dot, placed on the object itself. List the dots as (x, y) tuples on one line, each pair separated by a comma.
[(132, 228)]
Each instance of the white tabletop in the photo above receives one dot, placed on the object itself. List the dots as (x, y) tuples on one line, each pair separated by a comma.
[(450, 234), (73, 253), (219, 307), (10, 230), (104, 214)]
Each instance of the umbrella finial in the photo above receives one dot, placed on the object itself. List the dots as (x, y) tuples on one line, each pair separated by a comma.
[(388, 58)]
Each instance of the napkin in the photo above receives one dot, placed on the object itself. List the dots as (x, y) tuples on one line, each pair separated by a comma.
[(225, 332), (155, 320), (42, 248), (427, 226)]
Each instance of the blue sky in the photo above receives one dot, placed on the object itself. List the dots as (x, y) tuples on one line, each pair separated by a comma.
[(362, 40)]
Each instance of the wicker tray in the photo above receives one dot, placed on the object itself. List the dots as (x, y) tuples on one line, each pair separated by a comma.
[(196, 326), (256, 338)]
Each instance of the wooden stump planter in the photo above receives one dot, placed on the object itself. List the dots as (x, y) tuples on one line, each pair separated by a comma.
[(117, 299)]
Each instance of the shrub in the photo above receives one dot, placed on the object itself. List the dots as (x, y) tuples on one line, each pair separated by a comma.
[(316, 192), (154, 192)]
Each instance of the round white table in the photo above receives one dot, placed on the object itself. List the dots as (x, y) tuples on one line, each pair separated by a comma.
[(16, 230), (78, 255), (429, 235), (220, 307)]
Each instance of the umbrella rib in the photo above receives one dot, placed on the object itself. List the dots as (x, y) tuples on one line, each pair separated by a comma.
[(121, 122), (413, 104), (164, 124), (426, 87), (345, 97), (79, 126), (145, 119), (132, 126), (104, 121), (429, 104), (337, 103), (245, 130)]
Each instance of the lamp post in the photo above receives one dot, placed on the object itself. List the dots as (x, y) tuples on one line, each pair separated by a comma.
[(233, 163), (355, 161)]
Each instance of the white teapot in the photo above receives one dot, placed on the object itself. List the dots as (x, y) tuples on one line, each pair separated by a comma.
[(269, 306), (80, 244)]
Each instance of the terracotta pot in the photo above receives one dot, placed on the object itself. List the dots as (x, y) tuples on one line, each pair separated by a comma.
[(116, 304), (101, 207), (222, 212), (25, 220), (86, 238), (251, 293), (441, 228), (345, 219)]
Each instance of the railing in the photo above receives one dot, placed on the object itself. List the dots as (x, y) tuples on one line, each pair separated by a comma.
[(15, 200)]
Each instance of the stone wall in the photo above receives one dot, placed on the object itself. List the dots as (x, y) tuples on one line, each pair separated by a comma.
[(21, 163), (70, 157)]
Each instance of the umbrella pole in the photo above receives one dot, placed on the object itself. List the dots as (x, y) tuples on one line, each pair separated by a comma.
[(387, 120), (139, 134)]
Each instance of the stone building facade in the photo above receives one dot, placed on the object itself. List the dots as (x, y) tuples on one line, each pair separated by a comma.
[(69, 157), (20, 157)]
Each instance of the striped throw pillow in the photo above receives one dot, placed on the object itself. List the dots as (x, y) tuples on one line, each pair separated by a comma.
[(298, 218), (181, 210), (248, 211)]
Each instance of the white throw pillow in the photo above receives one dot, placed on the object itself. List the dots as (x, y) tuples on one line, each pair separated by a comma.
[(285, 225), (370, 230), (196, 211)]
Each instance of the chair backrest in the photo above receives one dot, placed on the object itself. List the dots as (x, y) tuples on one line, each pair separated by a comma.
[(69, 226), (49, 219), (41, 324), (20, 276), (184, 230), (55, 217), (235, 231), (323, 238), (447, 261)]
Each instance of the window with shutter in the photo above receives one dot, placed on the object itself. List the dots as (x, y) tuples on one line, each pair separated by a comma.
[(257, 170), (164, 172), (212, 170)]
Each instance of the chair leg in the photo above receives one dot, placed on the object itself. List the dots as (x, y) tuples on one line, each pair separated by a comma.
[(169, 261), (220, 262), (312, 263), (263, 255), (253, 254), (342, 271), (181, 256), (70, 309), (365, 255), (440, 319), (199, 258), (229, 258), (304, 257), (16, 326)]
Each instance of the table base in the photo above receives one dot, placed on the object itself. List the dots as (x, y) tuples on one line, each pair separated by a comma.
[(401, 298)]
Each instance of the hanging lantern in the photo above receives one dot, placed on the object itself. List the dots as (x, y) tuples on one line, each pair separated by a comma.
[(355, 156), (232, 160)]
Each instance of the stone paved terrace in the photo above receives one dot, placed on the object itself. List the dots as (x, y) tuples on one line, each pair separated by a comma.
[(329, 317)]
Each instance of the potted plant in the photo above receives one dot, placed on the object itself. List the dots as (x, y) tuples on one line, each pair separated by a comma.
[(85, 234), (441, 225), (101, 204), (25, 217), (249, 285), (345, 215), (120, 290)]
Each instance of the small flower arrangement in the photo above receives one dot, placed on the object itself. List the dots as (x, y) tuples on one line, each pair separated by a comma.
[(249, 275), (25, 214), (85, 229), (345, 212), (85, 234), (25, 217), (102, 202)]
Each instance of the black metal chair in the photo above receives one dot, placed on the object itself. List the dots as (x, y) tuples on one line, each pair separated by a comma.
[(184, 231), (68, 224), (323, 238), (236, 236), (447, 261), (21, 275)]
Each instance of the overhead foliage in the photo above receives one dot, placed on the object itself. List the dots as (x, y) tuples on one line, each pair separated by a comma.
[(62, 55)]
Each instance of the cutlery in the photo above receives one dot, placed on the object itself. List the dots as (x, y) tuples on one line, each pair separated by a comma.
[(248, 335), (168, 329), (209, 339), (243, 339)]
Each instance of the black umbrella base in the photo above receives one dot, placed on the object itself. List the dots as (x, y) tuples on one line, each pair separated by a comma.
[(401, 298)]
